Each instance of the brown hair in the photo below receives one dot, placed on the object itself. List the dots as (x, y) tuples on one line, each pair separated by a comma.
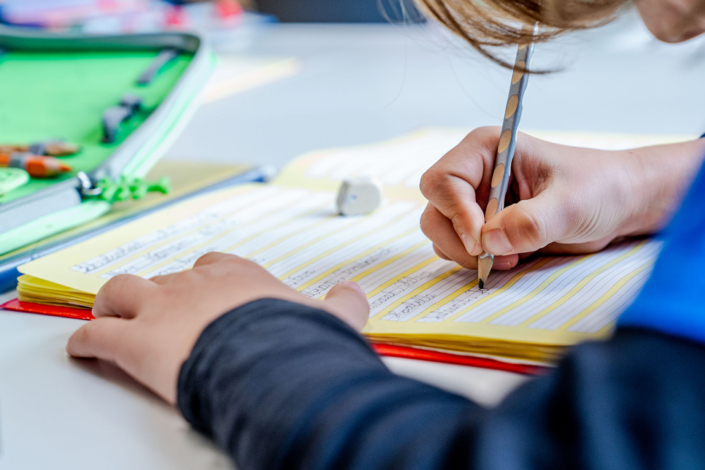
[(488, 24)]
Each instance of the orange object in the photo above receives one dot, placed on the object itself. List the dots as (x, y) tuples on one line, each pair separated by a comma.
[(36, 165)]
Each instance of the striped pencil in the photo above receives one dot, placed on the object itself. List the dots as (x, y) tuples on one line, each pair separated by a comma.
[(36, 165), (505, 150)]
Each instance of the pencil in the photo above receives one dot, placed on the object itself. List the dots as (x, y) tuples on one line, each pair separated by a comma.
[(36, 165), (56, 148), (505, 150)]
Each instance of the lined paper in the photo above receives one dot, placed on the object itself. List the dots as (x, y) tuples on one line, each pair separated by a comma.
[(296, 235), (291, 228)]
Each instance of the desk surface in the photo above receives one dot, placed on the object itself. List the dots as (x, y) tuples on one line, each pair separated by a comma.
[(360, 84)]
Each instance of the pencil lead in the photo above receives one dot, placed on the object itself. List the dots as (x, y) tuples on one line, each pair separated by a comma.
[(481, 284)]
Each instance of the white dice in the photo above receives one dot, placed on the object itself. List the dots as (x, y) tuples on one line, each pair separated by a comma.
[(358, 196)]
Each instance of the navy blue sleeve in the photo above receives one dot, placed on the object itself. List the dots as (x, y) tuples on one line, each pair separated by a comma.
[(283, 386)]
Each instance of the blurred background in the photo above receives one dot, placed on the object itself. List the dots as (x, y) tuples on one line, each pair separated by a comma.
[(113, 16), (300, 75)]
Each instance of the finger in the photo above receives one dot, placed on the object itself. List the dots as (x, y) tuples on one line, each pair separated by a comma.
[(452, 185), (440, 253), (505, 263), (163, 279), (101, 339), (122, 296), (347, 301), (455, 199), (441, 232), (527, 226), (212, 258)]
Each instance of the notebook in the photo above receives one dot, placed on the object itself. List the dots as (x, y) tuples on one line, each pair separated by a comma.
[(529, 314)]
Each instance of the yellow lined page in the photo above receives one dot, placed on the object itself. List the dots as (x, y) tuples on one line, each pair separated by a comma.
[(291, 228), (294, 233)]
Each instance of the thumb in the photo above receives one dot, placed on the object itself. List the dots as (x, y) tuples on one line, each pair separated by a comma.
[(347, 301), (527, 226)]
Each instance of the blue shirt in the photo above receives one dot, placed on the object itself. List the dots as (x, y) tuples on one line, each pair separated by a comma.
[(673, 299)]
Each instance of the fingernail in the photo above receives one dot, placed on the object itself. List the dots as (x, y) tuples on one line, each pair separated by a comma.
[(496, 242), (471, 246)]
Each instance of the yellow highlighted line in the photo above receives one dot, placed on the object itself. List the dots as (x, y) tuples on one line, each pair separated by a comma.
[(406, 273), (286, 221), (389, 261), (223, 234), (605, 297), (537, 290), (326, 253), (579, 286), (173, 238), (499, 291), (362, 255), (293, 234), (446, 300), (418, 290)]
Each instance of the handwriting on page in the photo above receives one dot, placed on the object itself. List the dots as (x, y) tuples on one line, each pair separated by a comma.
[(295, 234)]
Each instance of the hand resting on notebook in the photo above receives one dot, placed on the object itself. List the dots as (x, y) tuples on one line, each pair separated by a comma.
[(149, 327), (561, 199)]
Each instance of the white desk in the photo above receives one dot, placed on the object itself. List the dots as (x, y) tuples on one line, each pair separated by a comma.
[(360, 84)]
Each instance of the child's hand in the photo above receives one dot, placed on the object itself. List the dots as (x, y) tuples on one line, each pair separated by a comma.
[(148, 327), (567, 199)]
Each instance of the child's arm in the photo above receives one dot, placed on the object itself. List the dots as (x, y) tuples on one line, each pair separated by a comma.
[(568, 199), (282, 384)]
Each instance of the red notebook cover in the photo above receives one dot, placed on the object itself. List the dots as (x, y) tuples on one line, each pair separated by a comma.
[(67, 312), (381, 349)]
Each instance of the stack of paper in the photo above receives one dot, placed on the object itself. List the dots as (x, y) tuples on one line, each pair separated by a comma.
[(290, 227)]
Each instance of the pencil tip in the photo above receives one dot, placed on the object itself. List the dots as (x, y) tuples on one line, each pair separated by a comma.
[(481, 284)]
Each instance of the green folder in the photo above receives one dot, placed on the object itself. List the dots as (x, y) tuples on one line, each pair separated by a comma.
[(58, 86)]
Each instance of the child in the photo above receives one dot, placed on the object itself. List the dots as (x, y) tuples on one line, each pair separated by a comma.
[(283, 381)]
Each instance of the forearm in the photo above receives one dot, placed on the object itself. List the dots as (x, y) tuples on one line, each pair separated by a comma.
[(658, 178), (279, 385)]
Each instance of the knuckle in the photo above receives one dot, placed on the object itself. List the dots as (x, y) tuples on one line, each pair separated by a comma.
[(573, 211), (234, 259), (208, 258), (119, 281), (484, 132), (528, 228), (235, 264), (81, 336), (431, 180), (426, 222), (161, 279), (115, 286)]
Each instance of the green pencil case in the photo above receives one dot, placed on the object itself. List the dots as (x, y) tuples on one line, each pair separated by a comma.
[(70, 87)]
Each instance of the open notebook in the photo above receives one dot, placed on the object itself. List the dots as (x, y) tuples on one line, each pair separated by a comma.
[(290, 227)]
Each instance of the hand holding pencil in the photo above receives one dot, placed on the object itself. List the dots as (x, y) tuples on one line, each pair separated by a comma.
[(505, 150), (559, 199)]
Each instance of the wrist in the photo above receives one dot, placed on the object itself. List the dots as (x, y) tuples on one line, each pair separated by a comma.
[(657, 179)]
